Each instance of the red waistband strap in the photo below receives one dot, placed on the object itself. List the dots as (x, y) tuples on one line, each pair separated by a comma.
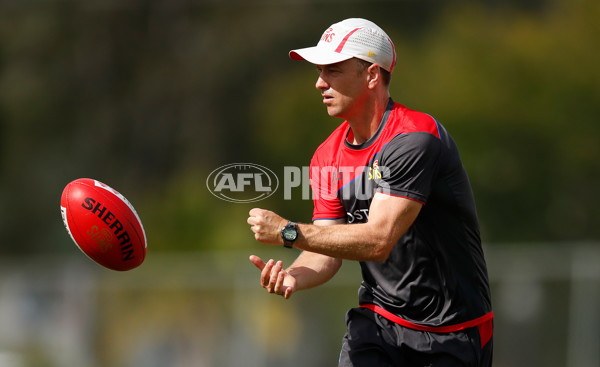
[(434, 329)]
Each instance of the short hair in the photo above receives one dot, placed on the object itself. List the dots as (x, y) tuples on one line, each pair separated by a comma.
[(385, 75)]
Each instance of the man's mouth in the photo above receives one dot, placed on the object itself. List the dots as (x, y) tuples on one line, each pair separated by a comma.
[(327, 97)]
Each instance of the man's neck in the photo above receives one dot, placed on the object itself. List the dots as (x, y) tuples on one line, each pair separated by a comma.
[(366, 125)]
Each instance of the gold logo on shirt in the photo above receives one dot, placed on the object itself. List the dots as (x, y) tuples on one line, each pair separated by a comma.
[(374, 172)]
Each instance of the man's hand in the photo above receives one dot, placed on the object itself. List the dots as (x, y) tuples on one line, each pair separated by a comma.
[(266, 226), (273, 278)]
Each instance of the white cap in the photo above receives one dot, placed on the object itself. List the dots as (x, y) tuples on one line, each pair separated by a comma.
[(350, 38)]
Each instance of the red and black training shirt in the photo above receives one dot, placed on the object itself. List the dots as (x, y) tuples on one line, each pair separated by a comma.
[(436, 274)]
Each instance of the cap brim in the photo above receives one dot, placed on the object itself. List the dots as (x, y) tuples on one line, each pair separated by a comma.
[(318, 56)]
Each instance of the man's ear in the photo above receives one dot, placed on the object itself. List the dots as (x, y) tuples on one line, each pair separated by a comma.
[(374, 72)]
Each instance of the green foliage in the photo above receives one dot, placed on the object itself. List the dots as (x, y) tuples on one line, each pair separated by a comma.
[(150, 98), (520, 94)]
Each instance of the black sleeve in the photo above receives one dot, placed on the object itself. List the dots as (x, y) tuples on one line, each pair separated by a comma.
[(408, 165)]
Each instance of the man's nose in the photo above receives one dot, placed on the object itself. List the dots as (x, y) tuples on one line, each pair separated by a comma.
[(321, 84)]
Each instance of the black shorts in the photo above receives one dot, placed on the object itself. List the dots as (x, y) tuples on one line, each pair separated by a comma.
[(372, 340)]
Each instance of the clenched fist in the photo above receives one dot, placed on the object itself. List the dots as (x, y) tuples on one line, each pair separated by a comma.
[(266, 226)]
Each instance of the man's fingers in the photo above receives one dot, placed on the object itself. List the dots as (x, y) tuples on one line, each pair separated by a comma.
[(279, 283), (253, 219), (265, 276), (274, 276), (257, 261), (255, 211), (265, 269)]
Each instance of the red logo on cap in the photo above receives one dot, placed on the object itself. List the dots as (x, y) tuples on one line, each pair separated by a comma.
[(328, 35)]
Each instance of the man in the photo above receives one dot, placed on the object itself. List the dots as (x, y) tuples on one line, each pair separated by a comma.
[(390, 191)]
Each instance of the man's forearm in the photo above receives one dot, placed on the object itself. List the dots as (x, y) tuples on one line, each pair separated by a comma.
[(311, 269), (346, 241)]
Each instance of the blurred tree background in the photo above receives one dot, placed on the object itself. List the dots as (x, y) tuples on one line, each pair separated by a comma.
[(151, 96)]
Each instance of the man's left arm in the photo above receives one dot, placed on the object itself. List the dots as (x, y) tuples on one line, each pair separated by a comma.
[(389, 218)]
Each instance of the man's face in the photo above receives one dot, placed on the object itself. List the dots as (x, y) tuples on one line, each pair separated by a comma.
[(343, 87)]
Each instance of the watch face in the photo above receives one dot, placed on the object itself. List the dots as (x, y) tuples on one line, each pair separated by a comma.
[(290, 234)]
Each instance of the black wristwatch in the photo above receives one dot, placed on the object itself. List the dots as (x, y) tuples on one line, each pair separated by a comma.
[(289, 233)]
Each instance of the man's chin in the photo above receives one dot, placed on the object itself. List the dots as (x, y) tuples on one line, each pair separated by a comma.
[(334, 112)]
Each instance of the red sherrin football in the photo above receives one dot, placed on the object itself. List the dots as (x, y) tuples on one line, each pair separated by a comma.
[(103, 224)]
